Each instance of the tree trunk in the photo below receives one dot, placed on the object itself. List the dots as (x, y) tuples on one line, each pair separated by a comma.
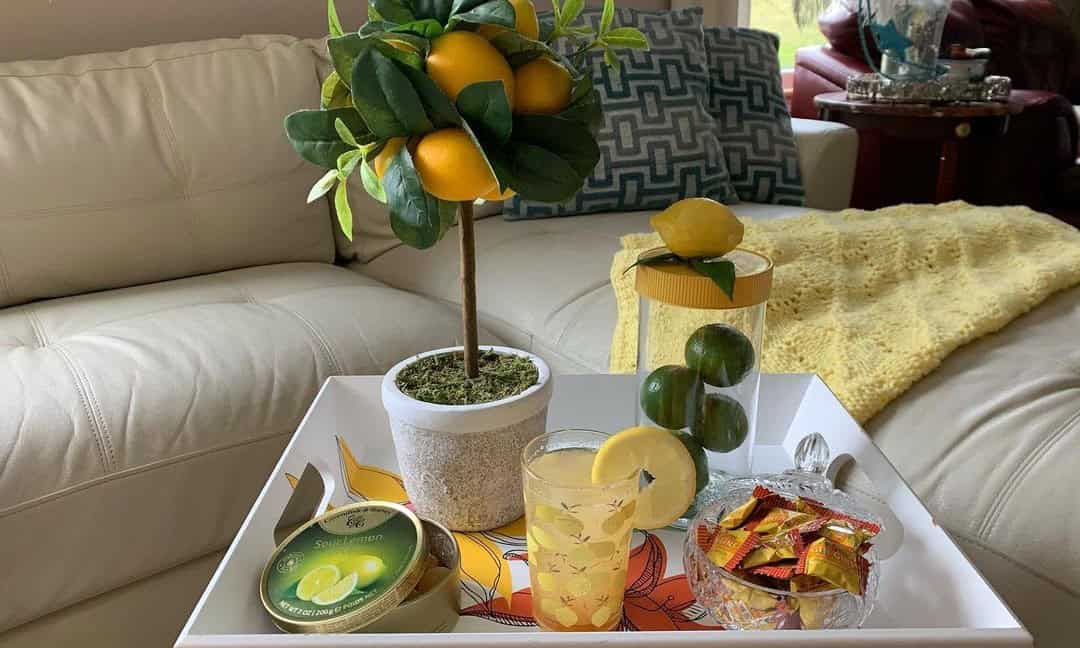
[(468, 288)]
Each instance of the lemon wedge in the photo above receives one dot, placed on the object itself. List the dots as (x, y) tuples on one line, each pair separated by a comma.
[(338, 591), (665, 458), (316, 581)]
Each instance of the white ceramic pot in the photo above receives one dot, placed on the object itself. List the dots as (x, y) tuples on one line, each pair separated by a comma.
[(462, 463)]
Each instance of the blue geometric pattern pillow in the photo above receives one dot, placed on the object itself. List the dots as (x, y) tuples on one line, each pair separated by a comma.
[(746, 96), (658, 143)]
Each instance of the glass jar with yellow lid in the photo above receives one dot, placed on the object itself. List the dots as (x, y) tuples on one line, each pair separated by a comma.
[(700, 332)]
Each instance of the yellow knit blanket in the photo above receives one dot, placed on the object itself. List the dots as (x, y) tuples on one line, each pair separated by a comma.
[(874, 301)]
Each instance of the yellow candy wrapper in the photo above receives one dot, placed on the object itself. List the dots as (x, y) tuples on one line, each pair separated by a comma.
[(831, 562), (730, 547), (736, 518)]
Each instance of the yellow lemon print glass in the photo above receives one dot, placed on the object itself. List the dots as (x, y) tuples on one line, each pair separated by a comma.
[(578, 532)]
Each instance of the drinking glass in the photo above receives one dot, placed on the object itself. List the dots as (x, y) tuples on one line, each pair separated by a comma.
[(578, 532)]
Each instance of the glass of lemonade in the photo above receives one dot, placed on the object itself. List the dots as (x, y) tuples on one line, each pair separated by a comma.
[(578, 532)]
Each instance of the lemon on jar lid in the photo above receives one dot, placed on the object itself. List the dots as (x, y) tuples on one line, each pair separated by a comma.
[(698, 227)]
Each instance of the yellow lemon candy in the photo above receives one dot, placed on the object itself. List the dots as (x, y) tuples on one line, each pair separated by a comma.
[(461, 58), (525, 22), (389, 150), (542, 87), (663, 456), (451, 167), (698, 227)]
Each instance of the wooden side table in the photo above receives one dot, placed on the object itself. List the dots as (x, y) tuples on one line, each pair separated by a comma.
[(957, 131)]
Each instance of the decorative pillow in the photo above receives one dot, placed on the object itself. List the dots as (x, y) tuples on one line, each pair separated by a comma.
[(746, 96), (658, 143)]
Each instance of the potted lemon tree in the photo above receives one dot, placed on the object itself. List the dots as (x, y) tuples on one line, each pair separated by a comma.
[(438, 104)]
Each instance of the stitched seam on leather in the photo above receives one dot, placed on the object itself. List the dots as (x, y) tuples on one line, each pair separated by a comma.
[(169, 132), (80, 388), (989, 524), (320, 340), (153, 62), (132, 472), (92, 208), (35, 326), (577, 318), (1028, 570), (5, 280)]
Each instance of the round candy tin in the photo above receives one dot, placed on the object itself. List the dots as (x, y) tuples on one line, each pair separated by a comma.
[(345, 569)]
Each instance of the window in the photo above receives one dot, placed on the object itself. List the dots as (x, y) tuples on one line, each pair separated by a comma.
[(777, 17)]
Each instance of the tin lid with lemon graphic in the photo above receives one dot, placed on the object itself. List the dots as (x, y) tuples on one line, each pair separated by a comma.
[(344, 570)]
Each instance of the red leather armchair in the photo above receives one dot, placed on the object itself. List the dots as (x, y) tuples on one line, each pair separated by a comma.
[(1031, 44)]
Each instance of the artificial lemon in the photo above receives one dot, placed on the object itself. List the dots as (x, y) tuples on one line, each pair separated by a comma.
[(495, 195), (336, 592), (451, 167), (316, 581), (369, 570), (664, 457), (541, 86), (670, 394), (720, 353), (698, 227), (462, 58), (525, 22), (389, 150)]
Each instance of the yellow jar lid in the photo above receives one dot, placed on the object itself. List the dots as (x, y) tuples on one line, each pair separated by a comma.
[(680, 285)]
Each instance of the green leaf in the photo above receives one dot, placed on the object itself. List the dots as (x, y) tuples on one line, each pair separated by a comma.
[(373, 26), (347, 161), (489, 12), (344, 133), (657, 259), (534, 172), (437, 10), (343, 53), (334, 93), (386, 98), (587, 110), (547, 25), (438, 106), (332, 18), (571, 9), (395, 11), (371, 182), (611, 61), (519, 50), (312, 134), (485, 107), (606, 16), (322, 186), (344, 212), (569, 140), (408, 57), (628, 37), (722, 273), (417, 218), (427, 28)]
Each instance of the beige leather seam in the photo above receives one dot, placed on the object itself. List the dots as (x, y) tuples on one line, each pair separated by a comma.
[(1027, 570), (990, 523), (5, 280), (91, 208), (81, 388), (134, 471), (119, 68), (317, 335)]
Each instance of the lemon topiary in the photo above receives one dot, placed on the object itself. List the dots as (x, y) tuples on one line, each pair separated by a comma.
[(438, 104)]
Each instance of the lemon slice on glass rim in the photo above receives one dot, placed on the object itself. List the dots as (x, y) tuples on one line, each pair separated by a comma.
[(659, 453)]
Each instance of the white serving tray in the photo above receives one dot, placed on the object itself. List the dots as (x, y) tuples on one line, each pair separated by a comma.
[(930, 594)]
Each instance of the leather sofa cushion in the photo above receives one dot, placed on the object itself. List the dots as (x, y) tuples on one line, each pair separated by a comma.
[(114, 172), (138, 424)]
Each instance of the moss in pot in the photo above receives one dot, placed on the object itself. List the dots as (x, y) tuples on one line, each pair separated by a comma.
[(441, 379)]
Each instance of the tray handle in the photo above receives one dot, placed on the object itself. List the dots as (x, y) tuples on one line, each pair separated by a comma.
[(310, 498)]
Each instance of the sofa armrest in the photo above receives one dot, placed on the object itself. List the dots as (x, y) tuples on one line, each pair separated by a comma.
[(827, 155)]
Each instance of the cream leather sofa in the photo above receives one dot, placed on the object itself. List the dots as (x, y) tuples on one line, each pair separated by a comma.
[(169, 306)]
